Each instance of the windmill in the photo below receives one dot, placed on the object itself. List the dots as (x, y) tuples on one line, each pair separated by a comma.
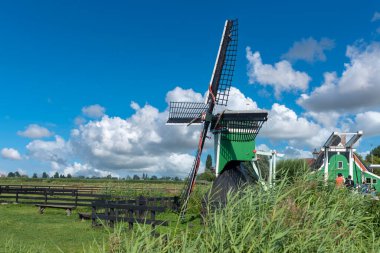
[(234, 131)]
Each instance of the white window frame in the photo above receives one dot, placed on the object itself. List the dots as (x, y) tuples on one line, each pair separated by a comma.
[(340, 167)]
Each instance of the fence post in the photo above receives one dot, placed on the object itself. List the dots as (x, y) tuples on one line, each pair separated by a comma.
[(153, 218), (93, 216), (16, 196), (130, 222), (112, 217), (76, 198), (106, 212), (46, 196)]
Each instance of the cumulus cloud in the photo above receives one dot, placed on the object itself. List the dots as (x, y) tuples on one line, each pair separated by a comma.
[(369, 122), (294, 153), (93, 111), (309, 50), (376, 16), (78, 169), (183, 95), (284, 124), (11, 154), (34, 131), (281, 76), (141, 143), (55, 151), (357, 90)]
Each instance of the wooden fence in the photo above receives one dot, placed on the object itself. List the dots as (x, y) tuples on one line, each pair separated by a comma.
[(71, 196), (113, 190), (53, 196)]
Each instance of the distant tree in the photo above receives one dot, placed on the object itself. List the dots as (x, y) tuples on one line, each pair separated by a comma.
[(56, 175), (129, 177), (208, 163), (44, 175), (17, 174), (154, 177), (177, 179), (135, 177), (207, 175), (373, 156), (34, 175), (61, 176), (69, 175), (109, 176), (11, 174)]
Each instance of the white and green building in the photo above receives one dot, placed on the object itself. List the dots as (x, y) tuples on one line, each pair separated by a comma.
[(338, 156)]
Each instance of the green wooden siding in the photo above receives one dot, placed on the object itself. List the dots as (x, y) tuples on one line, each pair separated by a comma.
[(234, 151)]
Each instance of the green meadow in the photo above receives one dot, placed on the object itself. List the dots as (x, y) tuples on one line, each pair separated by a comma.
[(301, 213)]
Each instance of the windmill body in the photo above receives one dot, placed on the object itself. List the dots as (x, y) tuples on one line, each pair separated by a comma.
[(234, 131)]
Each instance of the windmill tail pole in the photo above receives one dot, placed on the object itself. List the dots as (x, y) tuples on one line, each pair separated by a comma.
[(185, 196)]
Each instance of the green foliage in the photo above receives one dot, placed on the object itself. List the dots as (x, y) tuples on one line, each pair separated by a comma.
[(208, 163), (301, 215), (207, 175), (34, 175), (374, 156), (56, 175), (291, 169), (44, 175)]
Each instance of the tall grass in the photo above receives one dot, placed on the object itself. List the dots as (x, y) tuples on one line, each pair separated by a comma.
[(299, 214)]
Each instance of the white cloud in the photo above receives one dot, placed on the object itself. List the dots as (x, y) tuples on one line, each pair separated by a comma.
[(376, 16), (284, 124), (181, 95), (93, 111), (141, 143), (21, 171), (281, 76), (262, 147), (11, 154), (293, 153), (78, 169), (79, 120), (357, 90), (309, 50), (35, 131), (369, 122), (238, 101), (55, 151)]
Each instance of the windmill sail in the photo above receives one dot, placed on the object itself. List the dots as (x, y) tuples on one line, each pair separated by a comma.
[(218, 92), (224, 67)]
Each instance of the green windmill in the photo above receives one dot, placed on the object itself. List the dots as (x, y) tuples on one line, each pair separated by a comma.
[(234, 131)]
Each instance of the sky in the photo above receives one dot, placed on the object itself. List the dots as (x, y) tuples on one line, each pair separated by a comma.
[(85, 85)]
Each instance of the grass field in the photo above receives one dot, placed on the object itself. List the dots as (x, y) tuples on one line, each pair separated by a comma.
[(300, 214), (22, 227)]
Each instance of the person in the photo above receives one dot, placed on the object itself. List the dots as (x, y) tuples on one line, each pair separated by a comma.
[(339, 181), (349, 182), (364, 188)]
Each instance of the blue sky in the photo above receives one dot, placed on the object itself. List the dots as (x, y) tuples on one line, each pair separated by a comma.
[(59, 57)]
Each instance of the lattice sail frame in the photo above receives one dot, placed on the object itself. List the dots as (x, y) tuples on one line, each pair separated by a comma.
[(239, 126), (186, 112), (221, 79)]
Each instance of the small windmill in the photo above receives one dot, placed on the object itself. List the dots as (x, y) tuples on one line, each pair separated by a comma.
[(234, 131)]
